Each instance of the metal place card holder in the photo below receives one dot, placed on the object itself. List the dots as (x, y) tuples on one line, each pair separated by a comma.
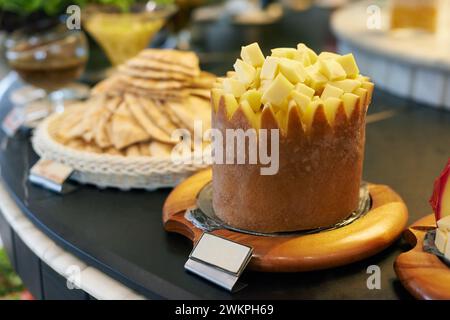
[(219, 260), (52, 175)]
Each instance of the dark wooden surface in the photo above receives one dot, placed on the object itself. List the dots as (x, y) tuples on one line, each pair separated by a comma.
[(121, 233)]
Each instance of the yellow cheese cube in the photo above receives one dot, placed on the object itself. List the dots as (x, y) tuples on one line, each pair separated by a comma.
[(444, 223), (264, 85), (253, 97), (362, 78), (362, 94), (331, 92), (447, 250), (231, 104), (350, 100), (303, 88), (245, 72), (248, 111), (233, 86), (277, 91), (292, 70), (257, 80), (328, 55), (441, 240), (301, 99), (311, 54), (270, 68), (332, 70), (349, 64), (310, 111), (252, 55), (289, 53), (216, 93), (331, 106), (316, 80), (348, 85)]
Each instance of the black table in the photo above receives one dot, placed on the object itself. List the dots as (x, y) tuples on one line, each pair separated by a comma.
[(121, 233)]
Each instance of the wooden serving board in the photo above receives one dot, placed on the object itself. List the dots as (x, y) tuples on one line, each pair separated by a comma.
[(423, 274), (366, 236)]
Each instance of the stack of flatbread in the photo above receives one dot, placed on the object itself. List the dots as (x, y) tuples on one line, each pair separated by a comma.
[(135, 111)]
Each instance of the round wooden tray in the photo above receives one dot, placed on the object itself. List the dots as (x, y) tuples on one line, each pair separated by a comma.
[(423, 274), (364, 237)]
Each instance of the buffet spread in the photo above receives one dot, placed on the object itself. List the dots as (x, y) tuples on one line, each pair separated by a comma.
[(268, 157)]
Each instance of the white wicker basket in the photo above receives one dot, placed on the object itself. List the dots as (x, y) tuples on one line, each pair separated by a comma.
[(105, 170)]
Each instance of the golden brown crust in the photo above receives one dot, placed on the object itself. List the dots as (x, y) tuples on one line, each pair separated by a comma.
[(319, 173)]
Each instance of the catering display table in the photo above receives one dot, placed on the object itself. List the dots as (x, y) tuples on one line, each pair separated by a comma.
[(118, 236), (121, 234)]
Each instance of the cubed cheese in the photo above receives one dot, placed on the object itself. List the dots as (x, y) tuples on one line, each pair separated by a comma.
[(349, 100), (331, 92), (233, 86), (316, 80), (444, 223), (270, 68), (362, 94), (328, 55), (311, 54), (245, 72), (348, 85), (301, 99), (441, 240), (215, 95), (292, 70), (253, 97), (332, 70), (277, 91), (303, 88), (252, 54), (289, 53), (231, 104), (331, 106), (308, 115), (349, 64)]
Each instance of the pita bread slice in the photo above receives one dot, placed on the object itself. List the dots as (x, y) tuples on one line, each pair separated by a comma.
[(101, 136), (124, 129), (144, 149), (147, 73), (165, 109), (186, 59), (142, 118), (201, 109), (158, 149), (156, 116), (113, 151), (69, 119), (141, 62), (151, 84), (202, 93), (183, 113), (206, 80), (132, 151)]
